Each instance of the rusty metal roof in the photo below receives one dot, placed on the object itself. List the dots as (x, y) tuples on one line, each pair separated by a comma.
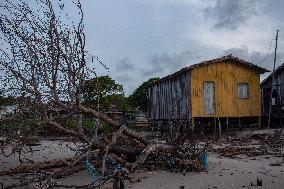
[(212, 61)]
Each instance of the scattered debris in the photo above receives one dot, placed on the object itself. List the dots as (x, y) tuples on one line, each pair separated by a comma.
[(258, 182), (276, 164), (256, 145)]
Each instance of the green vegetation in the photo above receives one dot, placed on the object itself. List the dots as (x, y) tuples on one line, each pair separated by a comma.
[(68, 122), (106, 127), (105, 90), (111, 93), (139, 99), (88, 123), (14, 123)]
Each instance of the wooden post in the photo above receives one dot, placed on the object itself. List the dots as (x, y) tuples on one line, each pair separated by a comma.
[(202, 129), (259, 122), (209, 126), (273, 80), (220, 128), (262, 102), (227, 125), (192, 123), (118, 183), (215, 125), (153, 125)]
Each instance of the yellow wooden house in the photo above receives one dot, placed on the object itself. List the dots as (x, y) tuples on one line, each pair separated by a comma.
[(226, 87)]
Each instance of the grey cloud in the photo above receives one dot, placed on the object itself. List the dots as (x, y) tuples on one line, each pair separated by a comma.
[(124, 74), (261, 59), (231, 14), (124, 64), (124, 78), (258, 58), (158, 65), (161, 64), (128, 81), (272, 8)]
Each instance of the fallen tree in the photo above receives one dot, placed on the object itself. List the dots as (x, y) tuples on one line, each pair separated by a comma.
[(46, 63)]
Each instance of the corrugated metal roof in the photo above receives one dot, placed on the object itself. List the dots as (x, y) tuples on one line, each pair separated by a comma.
[(212, 61)]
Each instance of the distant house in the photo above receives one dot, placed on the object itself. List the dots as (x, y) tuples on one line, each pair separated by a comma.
[(116, 114), (277, 96), (223, 88)]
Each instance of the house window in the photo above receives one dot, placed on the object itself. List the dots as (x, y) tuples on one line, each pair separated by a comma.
[(243, 90)]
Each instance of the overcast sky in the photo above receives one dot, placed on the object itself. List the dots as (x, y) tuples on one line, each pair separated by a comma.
[(140, 39)]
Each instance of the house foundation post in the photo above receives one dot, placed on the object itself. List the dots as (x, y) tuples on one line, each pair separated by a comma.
[(259, 122)]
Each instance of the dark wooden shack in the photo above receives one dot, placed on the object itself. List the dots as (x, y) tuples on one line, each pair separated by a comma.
[(277, 96), (169, 98)]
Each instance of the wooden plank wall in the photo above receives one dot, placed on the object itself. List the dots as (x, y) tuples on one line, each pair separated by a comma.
[(226, 76), (266, 89), (280, 82), (170, 99)]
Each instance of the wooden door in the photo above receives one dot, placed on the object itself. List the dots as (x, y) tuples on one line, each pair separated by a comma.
[(209, 97)]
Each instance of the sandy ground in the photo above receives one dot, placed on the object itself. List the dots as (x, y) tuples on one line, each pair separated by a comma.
[(222, 173), (47, 150), (240, 172)]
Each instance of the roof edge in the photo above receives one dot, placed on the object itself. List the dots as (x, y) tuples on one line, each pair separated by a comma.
[(270, 75), (261, 70)]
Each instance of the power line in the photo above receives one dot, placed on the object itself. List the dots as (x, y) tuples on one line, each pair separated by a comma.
[(265, 58)]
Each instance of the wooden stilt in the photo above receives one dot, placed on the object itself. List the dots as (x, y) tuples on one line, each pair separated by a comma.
[(209, 126), (227, 126), (259, 122), (192, 123), (220, 127), (202, 129), (118, 183), (215, 125), (152, 126)]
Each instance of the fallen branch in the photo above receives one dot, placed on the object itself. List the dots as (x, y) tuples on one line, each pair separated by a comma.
[(150, 149), (38, 166)]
